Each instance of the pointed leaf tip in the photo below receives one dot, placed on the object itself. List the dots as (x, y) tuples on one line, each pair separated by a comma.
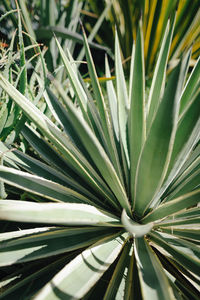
[(136, 229)]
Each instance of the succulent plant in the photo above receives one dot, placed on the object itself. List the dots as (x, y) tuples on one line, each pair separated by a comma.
[(116, 185)]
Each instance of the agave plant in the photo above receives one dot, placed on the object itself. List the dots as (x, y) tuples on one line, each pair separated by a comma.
[(116, 187)]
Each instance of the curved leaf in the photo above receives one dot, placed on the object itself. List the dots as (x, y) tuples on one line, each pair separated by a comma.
[(153, 280), (88, 267), (40, 186), (185, 253), (156, 153), (173, 206), (55, 213), (136, 229), (116, 286), (137, 118), (28, 246)]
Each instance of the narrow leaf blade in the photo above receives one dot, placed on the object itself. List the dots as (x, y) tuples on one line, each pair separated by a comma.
[(157, 149), (154, 283), (88, 268), (55, 213), (136, 121)]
